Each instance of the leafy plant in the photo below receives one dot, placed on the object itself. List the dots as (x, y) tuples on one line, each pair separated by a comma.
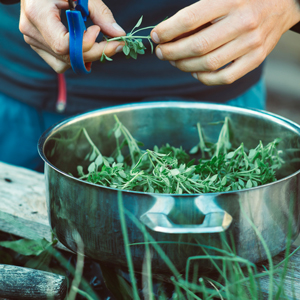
[(169, 169), (230, 280), (133, 43), (26, 246)]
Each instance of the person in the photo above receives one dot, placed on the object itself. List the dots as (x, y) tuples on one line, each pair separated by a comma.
[(210, 50)]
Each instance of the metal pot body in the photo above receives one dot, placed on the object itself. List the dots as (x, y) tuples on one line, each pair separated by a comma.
[(184, 225)]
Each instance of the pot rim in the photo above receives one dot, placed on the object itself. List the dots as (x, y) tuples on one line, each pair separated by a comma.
[(184, 104)]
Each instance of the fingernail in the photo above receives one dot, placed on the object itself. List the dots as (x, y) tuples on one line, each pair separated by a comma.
[(173, 63), (117, 27), (155, 37), (119, 49), (195, 75), (159, 53), (217, 20)]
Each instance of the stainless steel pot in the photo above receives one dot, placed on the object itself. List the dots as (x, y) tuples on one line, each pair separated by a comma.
[(92, 210)]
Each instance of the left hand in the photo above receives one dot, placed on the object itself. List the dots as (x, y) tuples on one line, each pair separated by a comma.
[(210, 34)]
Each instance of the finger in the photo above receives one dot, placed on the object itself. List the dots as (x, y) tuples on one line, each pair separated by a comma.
[(221, 56), (62, 4), (191, 32), (234, 71), (44, 16), (53, 31), (89, 37), (36, 45), (188, 19), (56, 64), (201, 42), (101, 15), (31, 34), (96, 51), (30, 31), (34, 38)]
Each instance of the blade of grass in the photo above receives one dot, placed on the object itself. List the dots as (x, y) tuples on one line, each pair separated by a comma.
[(190, 293), (82, 293), (127, 247), (188, 244), (243, 281), (177, 289), (202, 284), (65, 263), (116, 283), (155, 245), (227, 292), (287, 251), (197, 288), (195, 274), (79, 267), (216, 289), (236, 267), (258, 233), (287, 258), (252, 287), (149, 290)]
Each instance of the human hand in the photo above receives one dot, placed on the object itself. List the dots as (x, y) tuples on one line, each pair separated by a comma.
[(234, 35), (41, 26)]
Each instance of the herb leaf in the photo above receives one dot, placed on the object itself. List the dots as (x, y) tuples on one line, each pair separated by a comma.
[(126, 50), (168, 169), (138, 24), (133, 43)]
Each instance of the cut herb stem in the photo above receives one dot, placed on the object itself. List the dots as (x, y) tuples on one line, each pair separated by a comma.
[(169, 170), (133, 43)]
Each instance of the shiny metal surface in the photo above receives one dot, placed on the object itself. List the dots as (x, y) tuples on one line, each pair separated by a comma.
[(179, 222), (215, 219)]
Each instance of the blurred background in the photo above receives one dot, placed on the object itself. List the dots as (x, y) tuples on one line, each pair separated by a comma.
[(282, 75)]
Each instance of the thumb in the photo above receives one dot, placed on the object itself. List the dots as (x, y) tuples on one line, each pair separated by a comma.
[(102, 16)]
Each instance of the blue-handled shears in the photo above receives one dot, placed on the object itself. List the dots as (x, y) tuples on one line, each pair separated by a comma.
[(76, 16)]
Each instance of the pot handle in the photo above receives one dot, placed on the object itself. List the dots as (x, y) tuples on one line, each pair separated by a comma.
[(215, 220)]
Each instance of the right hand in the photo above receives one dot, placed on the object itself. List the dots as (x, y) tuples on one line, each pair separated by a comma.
[(43, 30)]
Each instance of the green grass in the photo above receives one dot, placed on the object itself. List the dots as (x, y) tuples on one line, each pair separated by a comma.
[(230, 280), (233, 278)]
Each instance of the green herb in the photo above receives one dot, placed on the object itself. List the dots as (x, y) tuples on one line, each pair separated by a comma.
[(169, 170), (26, 246), (133, 43)]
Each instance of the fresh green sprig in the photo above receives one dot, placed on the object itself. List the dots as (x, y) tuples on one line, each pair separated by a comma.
[(169, 170), (133, 43)]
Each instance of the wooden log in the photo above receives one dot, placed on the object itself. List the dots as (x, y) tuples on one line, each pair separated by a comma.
[(291, 281), (23, 209), (22, 193), (18, 283)]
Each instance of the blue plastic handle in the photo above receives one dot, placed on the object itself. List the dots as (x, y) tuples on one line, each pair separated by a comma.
[(82, 6), (76, 19)]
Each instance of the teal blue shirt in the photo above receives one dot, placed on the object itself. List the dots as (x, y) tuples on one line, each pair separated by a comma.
[(27, 78)]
